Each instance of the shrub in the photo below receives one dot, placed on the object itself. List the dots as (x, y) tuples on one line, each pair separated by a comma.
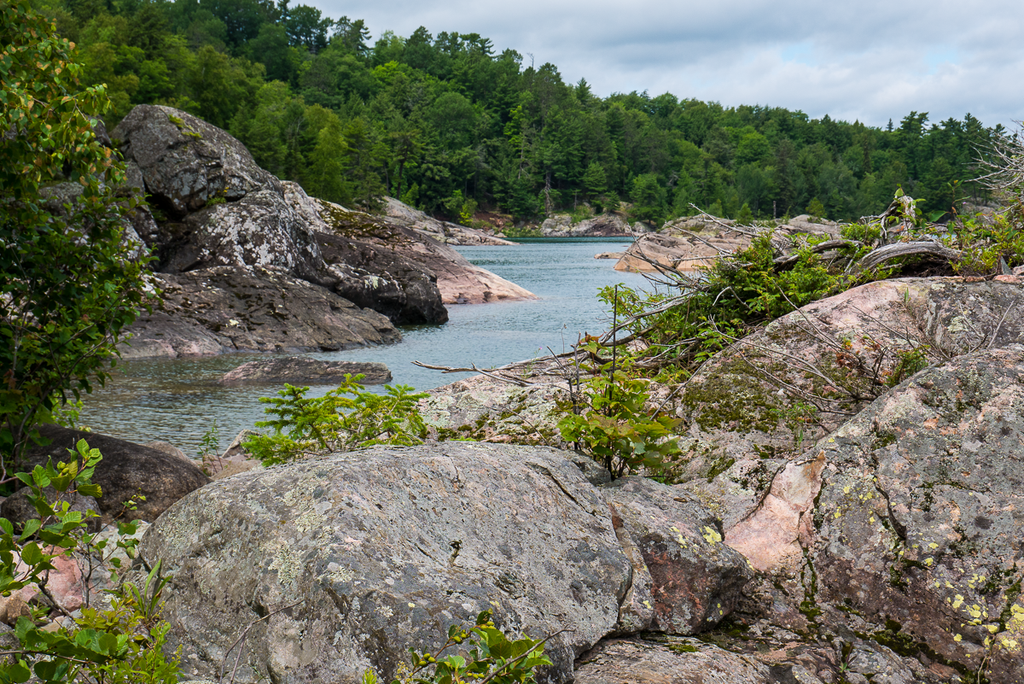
[(122, 644), (345, 418)]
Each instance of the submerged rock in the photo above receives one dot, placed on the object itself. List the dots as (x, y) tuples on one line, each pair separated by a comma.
[(300, 370)]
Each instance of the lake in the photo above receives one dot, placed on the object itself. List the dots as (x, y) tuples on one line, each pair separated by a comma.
[(177, 401)]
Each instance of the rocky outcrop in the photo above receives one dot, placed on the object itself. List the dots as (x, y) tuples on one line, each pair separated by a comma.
[(762, 402), (915, 525), (355, 557), (216, 208), (226, 309), (604, 225), (689, 244), (442, 231), (372, 240), (186, 162), (300, 370), (151, 478)]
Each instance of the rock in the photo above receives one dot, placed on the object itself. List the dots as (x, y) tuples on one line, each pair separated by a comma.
[(609, 255), (695, 578), (260, 229), (234, 460), (355, 557), (13, 607), (685, 254), (169, 449), (621, 661), (750, 410), (375, 274), (691, 243), (458, 281), (604, 225), (186, 162), (226, 309), (298, 370), (485, 409), (917, 523), (441, 231), (18, 508), (128, 471)]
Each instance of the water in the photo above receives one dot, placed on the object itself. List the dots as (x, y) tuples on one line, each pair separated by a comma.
[(178, 400)]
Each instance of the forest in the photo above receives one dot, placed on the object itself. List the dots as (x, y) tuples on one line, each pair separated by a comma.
[(447, 124)]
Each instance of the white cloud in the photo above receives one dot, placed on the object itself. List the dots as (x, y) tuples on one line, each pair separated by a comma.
[(871, 60)]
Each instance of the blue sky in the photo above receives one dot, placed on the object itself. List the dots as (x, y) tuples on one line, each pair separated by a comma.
[(863, 60)]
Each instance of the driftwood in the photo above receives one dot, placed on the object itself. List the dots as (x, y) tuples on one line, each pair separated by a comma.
[(792, 258), (902, 249)]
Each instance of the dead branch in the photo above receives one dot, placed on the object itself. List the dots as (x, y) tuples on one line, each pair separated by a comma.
[(788, 259), (902, 249)]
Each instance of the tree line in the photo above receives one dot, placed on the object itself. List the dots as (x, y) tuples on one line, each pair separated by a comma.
[(448, 124)]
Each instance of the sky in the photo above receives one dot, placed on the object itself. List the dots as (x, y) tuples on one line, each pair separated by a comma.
[(860, 60)]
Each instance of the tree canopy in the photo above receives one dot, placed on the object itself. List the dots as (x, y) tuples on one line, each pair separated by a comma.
[(68, 282), (423, 117)]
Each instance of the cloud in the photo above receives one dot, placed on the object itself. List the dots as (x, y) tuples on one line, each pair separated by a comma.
[(872, 60)]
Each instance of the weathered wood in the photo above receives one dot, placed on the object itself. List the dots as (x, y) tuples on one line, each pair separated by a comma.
[(902, 249)]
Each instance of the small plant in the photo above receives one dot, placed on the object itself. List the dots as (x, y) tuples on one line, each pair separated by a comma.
[(123, 644), (345, 418), (492, 658)]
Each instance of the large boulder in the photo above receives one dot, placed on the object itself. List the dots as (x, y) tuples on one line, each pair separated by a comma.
[(765, 400), (260, 229), (917, 525), (354, 558), (187, 162), (357, 557), (696, 579), (226, 309), (151, 478)]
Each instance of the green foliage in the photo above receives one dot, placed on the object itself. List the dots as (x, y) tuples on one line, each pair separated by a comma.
[(610, 421), (493, 657), (68, 285), (343, 419), (122, 644), (990, 245), (733, 297), (816, 209)]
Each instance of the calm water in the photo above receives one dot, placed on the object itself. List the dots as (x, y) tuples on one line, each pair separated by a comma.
[(178, 401)]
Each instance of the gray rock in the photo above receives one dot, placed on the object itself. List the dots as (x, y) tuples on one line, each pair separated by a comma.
[(128, 471), (750, 410), (226, 309), (918, 523), (696, 580), (458, 281), (259, 229), (186, 162), (677, 661), (356, 557), (299, 370)]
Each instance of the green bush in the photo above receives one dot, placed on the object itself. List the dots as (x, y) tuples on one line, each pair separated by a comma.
[(122, 644), (609, 419), (345, 418)]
